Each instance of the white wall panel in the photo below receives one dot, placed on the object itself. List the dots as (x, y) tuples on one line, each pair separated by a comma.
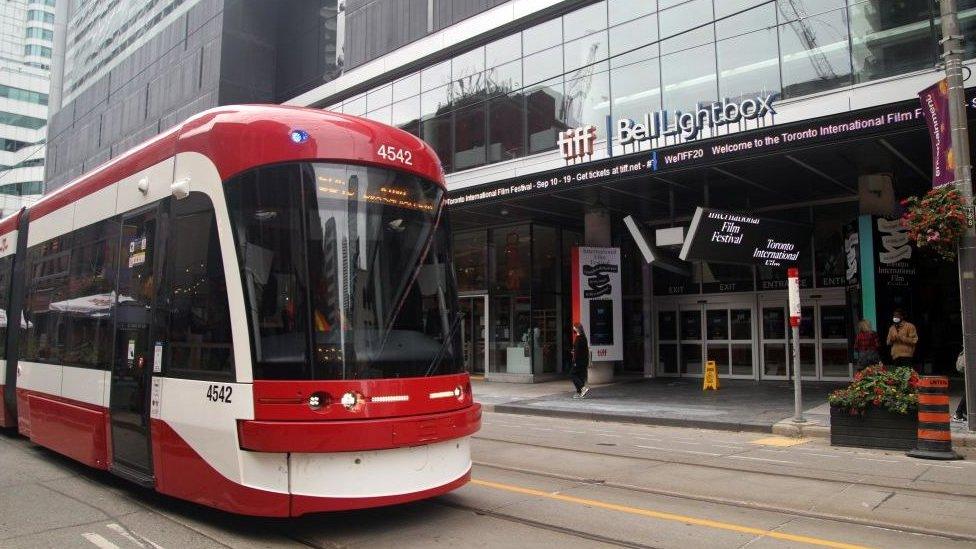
[(84, 385), (54, 224), (96, 206), (43, 378)]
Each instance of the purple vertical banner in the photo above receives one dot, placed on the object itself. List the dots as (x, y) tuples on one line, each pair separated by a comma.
[(935, 107)]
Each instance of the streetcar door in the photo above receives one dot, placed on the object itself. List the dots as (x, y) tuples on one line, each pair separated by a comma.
[(132, 368)]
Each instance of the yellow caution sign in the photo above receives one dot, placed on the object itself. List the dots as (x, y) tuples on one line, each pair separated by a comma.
[(711, 376)]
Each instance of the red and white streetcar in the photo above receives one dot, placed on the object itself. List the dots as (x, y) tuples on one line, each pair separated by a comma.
[(255, 311)]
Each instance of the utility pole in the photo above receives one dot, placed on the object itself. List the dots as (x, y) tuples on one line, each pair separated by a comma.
[(952, 49)]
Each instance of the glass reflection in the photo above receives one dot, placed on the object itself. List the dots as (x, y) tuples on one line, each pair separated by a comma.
[(747, 67), (891, 38), (815, 54), (689, 79)]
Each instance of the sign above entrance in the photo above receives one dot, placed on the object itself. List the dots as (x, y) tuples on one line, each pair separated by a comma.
[(729, 237), (689, 125), (577, 143)]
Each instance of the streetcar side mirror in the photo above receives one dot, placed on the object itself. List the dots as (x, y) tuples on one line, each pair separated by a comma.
[(181, 188)]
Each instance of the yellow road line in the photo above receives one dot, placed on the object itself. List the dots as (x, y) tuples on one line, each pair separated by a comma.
[(666, 516), (780, 441)]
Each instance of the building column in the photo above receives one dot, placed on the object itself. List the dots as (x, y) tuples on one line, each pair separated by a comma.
[(596, 227)]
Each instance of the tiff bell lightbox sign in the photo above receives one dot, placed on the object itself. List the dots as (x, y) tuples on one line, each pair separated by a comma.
[(577, 144), (729, 237), (689, 125), (598, 300)]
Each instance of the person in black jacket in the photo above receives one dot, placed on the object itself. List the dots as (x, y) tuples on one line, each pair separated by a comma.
[(581, 360)]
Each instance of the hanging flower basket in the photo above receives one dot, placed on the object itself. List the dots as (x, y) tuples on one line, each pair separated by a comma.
[(936, 221)]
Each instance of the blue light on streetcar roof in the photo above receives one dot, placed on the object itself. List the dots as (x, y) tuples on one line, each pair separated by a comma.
[(299, 136)]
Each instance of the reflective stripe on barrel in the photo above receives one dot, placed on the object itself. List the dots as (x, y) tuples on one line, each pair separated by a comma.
[(934, 436)]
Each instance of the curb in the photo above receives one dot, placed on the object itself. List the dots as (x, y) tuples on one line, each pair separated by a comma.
[(787, 428), (640, 420)]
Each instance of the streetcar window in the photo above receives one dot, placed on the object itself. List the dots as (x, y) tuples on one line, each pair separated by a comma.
[(369, 248), (86, 310), (265, 207), (6, 265), (193, 300), (47, 276)]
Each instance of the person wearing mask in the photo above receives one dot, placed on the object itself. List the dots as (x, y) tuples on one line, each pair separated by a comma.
[(581, 360), (866, 345), (902, 337)]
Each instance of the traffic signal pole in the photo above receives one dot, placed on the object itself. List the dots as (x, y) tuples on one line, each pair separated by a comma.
[(952, 48)]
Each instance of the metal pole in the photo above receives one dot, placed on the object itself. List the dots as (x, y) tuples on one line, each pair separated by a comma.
[(797, 386), (793, 300), (952, 54)]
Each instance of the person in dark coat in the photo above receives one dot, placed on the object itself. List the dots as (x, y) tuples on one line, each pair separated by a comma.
[(581, 360)]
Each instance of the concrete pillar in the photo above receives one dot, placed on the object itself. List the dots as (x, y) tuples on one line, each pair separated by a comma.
[(596, 227)]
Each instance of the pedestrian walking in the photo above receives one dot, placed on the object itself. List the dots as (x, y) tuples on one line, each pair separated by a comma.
[(902, 337), (866, 345), (581, 360), (960, 414)]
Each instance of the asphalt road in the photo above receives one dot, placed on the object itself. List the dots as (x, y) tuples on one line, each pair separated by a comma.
[(544, 482)]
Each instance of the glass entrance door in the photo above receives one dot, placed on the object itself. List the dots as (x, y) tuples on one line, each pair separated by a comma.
[(823, 340), (474, 328), (728, 331), (132, 369), (689, 334)]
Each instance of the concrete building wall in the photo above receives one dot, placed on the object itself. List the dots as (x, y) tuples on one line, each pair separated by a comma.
[(173, 75), (377, 27)]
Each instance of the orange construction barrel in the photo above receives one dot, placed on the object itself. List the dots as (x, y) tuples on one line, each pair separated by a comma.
[(934, 435)]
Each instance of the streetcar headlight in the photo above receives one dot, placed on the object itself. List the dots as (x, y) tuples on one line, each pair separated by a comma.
[(317, 401), (349, 400), (459, 393)]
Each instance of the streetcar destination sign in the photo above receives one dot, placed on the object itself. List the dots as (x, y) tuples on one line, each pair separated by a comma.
[(730, 237)]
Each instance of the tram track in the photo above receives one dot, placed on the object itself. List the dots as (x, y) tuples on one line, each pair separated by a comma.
[(542, 525), (720, 467), (736, 503)]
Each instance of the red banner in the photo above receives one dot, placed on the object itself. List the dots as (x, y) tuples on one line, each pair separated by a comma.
[(935, 108)]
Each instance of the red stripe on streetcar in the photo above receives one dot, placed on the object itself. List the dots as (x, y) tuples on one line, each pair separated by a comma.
[(358, 435)]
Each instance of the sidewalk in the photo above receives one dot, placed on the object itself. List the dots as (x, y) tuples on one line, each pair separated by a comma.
[(740, 405)]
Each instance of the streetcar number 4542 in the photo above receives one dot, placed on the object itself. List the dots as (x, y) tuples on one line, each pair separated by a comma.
[(395, 154), (219, 393)]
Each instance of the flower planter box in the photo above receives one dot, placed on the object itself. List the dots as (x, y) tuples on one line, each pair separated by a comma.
[(877, 428)]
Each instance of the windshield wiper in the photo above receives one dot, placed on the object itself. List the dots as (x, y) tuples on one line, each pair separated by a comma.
[(447, 338)]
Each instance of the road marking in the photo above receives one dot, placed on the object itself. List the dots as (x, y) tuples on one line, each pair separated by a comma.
[(677, 450), (122, 531), (695, 521), (780, 441), (99, 541), (764, 459)]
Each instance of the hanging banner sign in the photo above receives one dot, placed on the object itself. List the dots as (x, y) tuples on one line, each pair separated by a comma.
[(598, 300), (935, 108), (729, 237)]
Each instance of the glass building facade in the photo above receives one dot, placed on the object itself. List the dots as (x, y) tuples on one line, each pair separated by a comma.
[(508, 98)]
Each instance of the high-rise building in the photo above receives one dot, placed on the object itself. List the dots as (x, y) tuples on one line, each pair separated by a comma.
[(124, 71), (26, 43)]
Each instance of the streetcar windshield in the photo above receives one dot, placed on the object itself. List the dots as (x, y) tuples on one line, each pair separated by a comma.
[(346, 272)]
